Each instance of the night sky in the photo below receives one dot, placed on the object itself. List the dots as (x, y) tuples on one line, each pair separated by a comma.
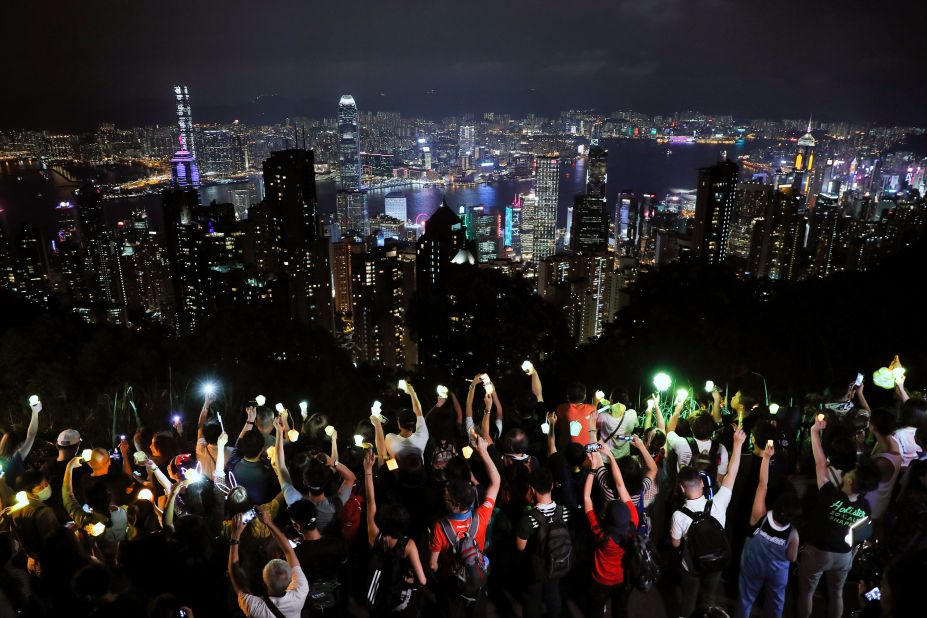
[(72, 64)]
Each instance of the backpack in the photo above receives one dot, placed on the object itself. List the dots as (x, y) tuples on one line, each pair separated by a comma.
[(350, 516), (641, 563), (643, 528), (706, 548), (705, 462), (469, 569), (385, 581), (553, 555), (443, 452)]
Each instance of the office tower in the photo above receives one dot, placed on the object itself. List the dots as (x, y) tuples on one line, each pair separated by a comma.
[(804, 163), (386, 227), (529, 205), (395, 206), (467, 220), (753, 197), (184, 119), (443, 241), (584, 287), (241, 200), (349, 143), (714, 208), (596, 172), (352, 215), (465, 146), (548, 194), (488, 233), (289, 181), (590, 225), (626, 222), (828, 237), (220, 152)]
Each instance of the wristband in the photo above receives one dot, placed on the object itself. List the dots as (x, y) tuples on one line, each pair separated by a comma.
[(233, 541)]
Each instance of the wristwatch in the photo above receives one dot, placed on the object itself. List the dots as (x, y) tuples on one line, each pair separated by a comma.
[(233, 541)]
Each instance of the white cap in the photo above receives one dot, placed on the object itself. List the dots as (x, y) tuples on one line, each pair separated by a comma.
[(69, 437)]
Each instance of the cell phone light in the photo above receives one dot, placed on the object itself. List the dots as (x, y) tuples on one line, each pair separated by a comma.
[(709, 386), (392, 464), (662, 382), (820, 417), (145, 494), (303, 406), (86, 454), (600, 395), (403, 386), (488, 388), (329, 431), (681, 395), (467, 452), (527, 367), (209, 388), (279, 408), (442, 391), (376, 408), (22, 499), (545, 428), (176, 419), (96, 529), (358, 440), (193, 475), (651, 404), (260, 400), (34, 400), (774, 408), (769, 443)]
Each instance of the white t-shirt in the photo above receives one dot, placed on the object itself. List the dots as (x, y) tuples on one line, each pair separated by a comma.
[(907, 446), (684, 454), (681, 521), (397, 445), (290, 604)]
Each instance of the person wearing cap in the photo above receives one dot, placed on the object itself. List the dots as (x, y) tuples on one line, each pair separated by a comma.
[(413, 431), (68, 446)]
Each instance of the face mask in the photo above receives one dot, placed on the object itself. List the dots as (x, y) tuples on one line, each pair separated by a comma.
[(45, 493)]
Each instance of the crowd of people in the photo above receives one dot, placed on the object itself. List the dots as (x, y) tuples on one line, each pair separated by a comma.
[(703, 505)]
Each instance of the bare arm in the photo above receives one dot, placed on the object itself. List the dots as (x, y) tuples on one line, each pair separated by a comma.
[(334, 438), (792, 551), (817, 449), (470, 395), (416, 404), (487, 412), (900, 390), (415, 561), (219, 472), (249, 423), (619, 480), (281, 539), (536, 389), (716, 405), (674, 419), (495, 480), (283, 474), (379, 438), (649, 463), (551, 433), (863, 404), (759, 499), (458, 411), (204, 414), (71, 505), (658, 415), (433, 561), (239, 585), (372, 529), (31, 432), (169, 510), (124, 451), (587, 490), (734, 464)]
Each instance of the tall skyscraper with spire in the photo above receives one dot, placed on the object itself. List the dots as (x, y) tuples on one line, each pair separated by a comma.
[(804, 162), (349, 143), (185, 119)]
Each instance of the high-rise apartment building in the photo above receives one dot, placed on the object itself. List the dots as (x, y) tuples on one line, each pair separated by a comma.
[(714, 209)]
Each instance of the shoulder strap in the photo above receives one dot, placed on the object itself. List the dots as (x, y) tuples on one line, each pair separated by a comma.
[(689, 513), (707, 511), (449, 533), (474, 525), (693, 447), (273, 608), (613, 434)]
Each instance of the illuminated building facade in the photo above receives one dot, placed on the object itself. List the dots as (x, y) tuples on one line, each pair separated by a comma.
[(589, 232), (714, 210), (349, 158), (545, 216), (352, 215), (395, 206), (184, 119)]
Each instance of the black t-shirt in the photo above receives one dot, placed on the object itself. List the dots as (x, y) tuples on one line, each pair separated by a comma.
[(832, 517), (321, 559)]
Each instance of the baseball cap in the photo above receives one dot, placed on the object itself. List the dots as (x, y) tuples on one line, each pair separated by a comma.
[(69, 437)]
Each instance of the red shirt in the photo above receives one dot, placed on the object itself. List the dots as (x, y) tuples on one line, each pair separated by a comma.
[(439, 541), (608, 554), (578, 412)]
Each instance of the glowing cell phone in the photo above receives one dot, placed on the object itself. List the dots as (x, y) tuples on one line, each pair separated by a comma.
[(873, 595), (859, 382), (248, 515)]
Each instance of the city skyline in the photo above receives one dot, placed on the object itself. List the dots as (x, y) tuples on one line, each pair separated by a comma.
[(554, 58)]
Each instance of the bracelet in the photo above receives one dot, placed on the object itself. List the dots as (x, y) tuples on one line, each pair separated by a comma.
[(233, 541)]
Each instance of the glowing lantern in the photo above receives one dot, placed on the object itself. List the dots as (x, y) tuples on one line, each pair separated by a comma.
[(662, 382), (145, 494)]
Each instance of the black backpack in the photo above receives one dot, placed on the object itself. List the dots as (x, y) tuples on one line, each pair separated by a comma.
[(705, 546), (469, 569), (704, 462), (553, 553), (641, 563), (385, 582)]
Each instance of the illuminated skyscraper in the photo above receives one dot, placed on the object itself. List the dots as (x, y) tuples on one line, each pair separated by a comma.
[(529, 205), (590, 225), (804, 163), (548, 194), (596, 172), (714, 209), (465, 146), (349, 143), (443, 241), (184, 172), (352, 213), (185, 120), (395, 206)]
